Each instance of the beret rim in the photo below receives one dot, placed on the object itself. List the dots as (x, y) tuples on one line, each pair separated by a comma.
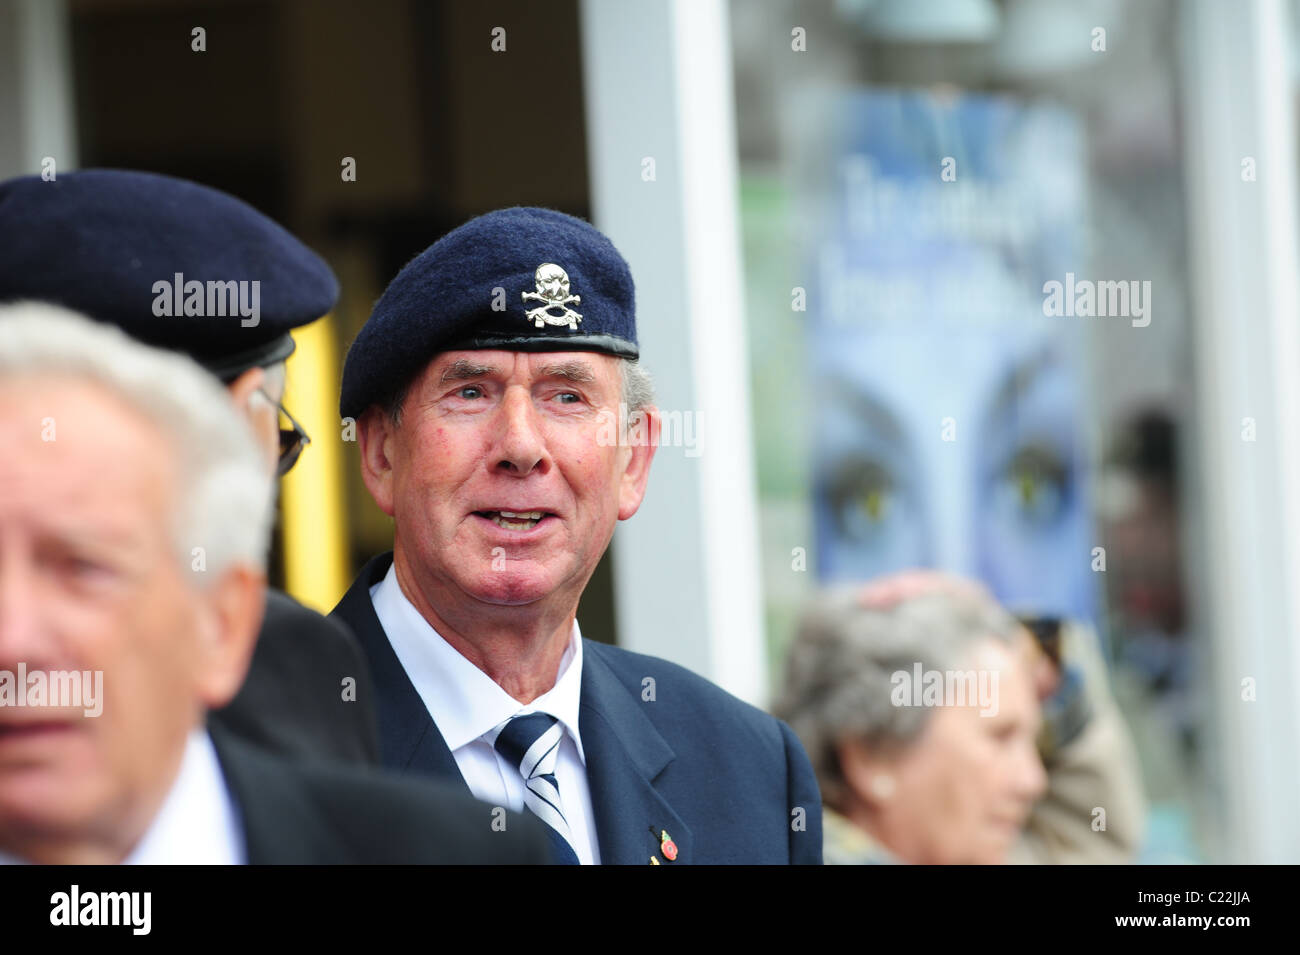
[(227, 367), (609, 344), (602, 344)]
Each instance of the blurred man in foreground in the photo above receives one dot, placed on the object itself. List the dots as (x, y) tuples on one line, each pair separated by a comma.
[(134, 509), (184, 267)]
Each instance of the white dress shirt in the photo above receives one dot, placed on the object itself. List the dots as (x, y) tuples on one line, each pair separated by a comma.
[(197, 823), (470, 709)]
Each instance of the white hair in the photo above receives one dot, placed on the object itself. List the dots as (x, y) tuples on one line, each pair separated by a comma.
[(638, 388), (225, 494)]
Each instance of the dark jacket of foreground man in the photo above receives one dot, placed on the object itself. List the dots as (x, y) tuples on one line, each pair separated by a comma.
[(293, 700), (302, 813)]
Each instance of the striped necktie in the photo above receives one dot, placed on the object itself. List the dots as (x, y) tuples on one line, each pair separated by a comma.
[(532, 744)]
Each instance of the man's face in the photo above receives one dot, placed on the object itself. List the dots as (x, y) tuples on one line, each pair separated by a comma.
[(505, 477), (90, 580)]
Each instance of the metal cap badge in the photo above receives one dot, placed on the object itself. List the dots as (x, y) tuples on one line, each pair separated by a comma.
[(553, 292)]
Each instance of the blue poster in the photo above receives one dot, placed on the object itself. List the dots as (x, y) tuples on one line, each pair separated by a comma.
[(948, 408)]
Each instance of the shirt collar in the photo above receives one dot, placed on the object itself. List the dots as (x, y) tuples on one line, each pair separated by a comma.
[(465, 702), (198, 822)]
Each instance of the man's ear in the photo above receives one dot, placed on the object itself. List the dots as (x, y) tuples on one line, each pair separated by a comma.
[(374, 437), (230, 619), (242, 388), (643, 441)]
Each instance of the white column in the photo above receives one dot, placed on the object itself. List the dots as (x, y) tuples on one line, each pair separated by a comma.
[(1243, 260), (36, 107), (658, 88)]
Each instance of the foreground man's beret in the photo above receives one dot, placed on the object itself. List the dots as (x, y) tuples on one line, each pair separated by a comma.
[(519, 279), (174, 264)]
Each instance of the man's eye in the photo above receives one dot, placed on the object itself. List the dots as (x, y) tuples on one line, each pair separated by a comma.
[(470, 392), (81, 567), (568, 397)]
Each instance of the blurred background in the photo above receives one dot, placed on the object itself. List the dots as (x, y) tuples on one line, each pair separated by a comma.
[(845, 219)]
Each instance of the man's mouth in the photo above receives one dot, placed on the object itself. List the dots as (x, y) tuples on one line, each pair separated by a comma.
[(515, 520), (33, 729)]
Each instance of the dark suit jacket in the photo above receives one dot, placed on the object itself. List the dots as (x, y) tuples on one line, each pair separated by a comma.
[(726, 781), (292, 700), (302, 813)]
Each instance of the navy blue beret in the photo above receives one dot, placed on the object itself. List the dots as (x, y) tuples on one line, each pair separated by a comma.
[(170, 262), (520, 279)]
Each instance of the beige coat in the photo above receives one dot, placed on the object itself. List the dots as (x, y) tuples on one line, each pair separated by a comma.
[(1094, 810)]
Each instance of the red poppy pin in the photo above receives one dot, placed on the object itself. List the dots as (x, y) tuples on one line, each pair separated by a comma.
[(667, 846)]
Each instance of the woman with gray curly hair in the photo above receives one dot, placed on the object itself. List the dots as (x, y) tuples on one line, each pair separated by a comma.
[(919, 712)]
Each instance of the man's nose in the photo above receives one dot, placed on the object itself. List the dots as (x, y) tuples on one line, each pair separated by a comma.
[(20, 630), (521, 447)]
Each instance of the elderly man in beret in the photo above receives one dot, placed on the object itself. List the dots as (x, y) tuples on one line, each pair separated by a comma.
[(483, 386), (119, 461), (184, 267)]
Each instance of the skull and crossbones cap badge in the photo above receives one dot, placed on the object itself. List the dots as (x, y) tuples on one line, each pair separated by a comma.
[(553, 292), (519, 279)]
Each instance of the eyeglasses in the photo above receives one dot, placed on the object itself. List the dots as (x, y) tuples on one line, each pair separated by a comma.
[(292, 440)]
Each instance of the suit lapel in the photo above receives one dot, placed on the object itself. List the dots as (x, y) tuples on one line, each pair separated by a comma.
[(408, 738), (624, 754), (279, 821)]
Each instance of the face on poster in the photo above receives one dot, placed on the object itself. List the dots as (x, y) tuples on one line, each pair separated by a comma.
[(949, 413)]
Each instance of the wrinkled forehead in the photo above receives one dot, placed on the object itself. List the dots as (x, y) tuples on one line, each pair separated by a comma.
[(530, 366), (77, 441), (80, 402)]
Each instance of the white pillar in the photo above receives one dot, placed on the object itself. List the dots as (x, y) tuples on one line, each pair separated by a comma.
[(658, 88), (1243, 266), (36, 107)]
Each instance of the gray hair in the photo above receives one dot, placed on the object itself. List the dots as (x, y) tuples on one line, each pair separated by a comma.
[(224, 499), (638, 389), (838, 674)]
